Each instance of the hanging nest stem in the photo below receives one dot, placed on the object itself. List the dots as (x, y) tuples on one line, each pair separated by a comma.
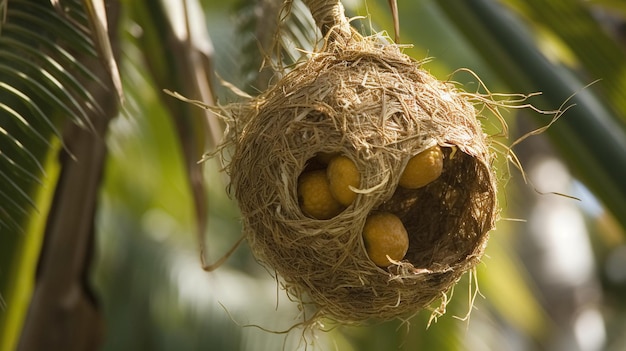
[(369, 102), (330, 19)]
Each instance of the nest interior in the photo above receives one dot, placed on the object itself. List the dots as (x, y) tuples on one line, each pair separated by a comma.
[(377, 106)]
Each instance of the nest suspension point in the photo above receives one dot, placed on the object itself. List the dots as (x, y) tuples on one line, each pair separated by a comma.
[(362, 180)]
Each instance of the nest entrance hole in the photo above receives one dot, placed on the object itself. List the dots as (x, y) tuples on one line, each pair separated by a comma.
[(437, 216)]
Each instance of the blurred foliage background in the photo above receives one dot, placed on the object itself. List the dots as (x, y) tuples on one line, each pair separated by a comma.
[(554, 276)]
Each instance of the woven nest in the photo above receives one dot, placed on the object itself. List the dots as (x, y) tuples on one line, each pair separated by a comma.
[(375, 105)]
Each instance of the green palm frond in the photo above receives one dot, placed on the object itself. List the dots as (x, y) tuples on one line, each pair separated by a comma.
[(48, 62), (273, 35), (39, 73)]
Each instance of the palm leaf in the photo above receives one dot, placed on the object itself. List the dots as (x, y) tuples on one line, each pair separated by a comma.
[(273, 35), (47, 84), (35, 80), (96, 12), (184, 64)]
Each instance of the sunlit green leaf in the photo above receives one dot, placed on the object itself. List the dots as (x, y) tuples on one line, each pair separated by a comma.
[(47, 93), (34, 109), (44, 20), (65, 78), (44, 86), (22, 122), (28, 34)]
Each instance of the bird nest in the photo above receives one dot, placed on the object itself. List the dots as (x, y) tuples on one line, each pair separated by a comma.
[(365, 100)]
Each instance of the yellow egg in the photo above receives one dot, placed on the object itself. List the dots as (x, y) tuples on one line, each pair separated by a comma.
[(422, 168), (384, 235), (342, 173), (314, 196)]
